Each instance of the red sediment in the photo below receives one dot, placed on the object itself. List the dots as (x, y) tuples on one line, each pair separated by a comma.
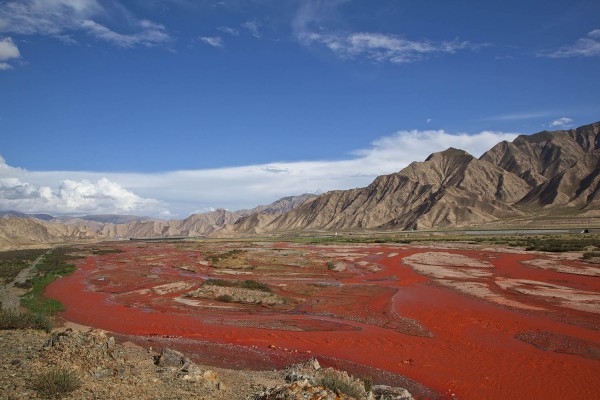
[(360, 316)]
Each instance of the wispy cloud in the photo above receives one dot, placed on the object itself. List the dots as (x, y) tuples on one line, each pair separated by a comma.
[(310, 28), (8, 51), (588, 46), (213, 41), (381, 47), (182, 192), (253, 26), (229, 30), (520, 116), (61, 19), (561, 122)]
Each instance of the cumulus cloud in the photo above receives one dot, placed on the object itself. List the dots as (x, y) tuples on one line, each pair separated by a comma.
[(8, 51), (588, 46), (62, 18), (183, 192), (213, 41), (69, 193), (561, 122), (313, 16)]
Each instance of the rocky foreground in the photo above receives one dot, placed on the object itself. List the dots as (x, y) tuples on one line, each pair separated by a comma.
[(104, 369)]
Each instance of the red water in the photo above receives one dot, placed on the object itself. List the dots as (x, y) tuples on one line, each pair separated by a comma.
[(473, 352)]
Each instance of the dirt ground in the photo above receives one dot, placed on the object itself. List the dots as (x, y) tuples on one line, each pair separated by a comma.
[(478, 322)]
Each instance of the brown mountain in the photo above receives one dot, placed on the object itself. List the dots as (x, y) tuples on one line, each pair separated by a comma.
[(562, 167), (452, 188), (18, 231), (444, 190)]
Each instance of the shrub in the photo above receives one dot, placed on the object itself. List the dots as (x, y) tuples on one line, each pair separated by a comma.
[(15, 319), (591, 254), (56, 382), (225, 298), (330, 265), (249, 284), (341, 382)]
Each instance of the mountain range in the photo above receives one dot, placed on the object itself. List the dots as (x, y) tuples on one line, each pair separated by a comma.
[(547, 178)]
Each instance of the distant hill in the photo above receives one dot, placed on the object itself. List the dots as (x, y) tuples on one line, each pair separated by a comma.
[(19, 229), (43, 217)]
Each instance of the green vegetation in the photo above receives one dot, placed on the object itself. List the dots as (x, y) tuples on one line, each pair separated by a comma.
[(591, 254), (56, 382), (100, 252), (52, 267), (368, 384), (215, 258), (330, 265), (248, 284), (14, 261), (225, 298), (15, 319), (542, 242)]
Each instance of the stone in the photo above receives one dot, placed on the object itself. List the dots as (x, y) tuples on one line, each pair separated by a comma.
[(170, 358), (384, 392)]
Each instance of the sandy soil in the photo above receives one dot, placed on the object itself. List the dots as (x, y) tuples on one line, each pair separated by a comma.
[(469, 321)]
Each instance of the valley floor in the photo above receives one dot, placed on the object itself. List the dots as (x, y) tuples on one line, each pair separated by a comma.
[(475, 321)]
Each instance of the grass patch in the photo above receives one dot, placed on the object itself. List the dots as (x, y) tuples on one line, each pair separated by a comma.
[(215, 258), (14, 261), (53, 266), (56, 382), (15, 319), (247, 284)]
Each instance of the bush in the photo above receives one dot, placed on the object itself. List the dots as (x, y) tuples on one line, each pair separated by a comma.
[(249, 284), (56, 382), (15, 319), (591, 254), (330, 265), (225, 298), (341, 382)]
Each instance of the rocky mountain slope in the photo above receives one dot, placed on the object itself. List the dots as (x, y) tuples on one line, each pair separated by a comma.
[(18, 231), (562, 168), (452, 188)]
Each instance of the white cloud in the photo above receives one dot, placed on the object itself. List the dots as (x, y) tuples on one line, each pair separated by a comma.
[(520, 116), (8, 51), (213, 41), (183, 192), (380, 47), (74, 197), (310, 23), (561, 122), (253, 27), (61, 18), (588, 46), (229, 30)]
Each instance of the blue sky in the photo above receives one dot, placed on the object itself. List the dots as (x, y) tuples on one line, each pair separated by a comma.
[(175, 106)]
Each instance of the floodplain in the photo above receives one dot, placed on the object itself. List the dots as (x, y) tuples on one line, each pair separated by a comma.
[(443, 319)]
